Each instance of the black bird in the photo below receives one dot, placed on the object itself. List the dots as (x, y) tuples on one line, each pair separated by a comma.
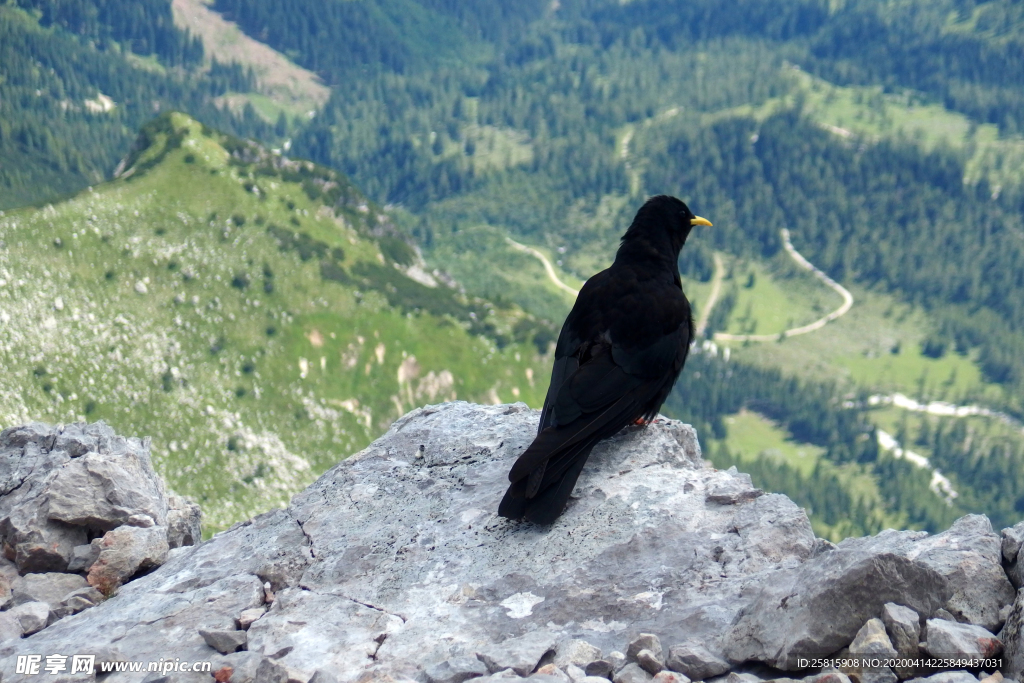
[(619, 352)]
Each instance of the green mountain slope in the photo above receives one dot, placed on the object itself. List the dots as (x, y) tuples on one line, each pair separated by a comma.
[(255, 315)]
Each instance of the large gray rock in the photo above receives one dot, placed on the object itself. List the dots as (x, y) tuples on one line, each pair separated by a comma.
[(818, 607), (968, 554), (395, 561)]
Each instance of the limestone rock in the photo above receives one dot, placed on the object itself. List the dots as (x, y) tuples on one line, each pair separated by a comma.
[(10, 627), (32, 616), (521, 654), (1012, 637), (734, 489), (395, 561), (243, 666), (83, 556), (247, 617), (694, 660), (969, 556), (184, 522), (949, 639), (456, 670), (123, 552), (270, 671), (61, 485), (577, 652), (904, 629), (631, 673), (649, 661), (1011, 540), (644, 641), (224, 641), (549, 673), (819, 606), (80, 599), (670, 677), (947, 677), (50, 588), (103, 490), (872, 640)]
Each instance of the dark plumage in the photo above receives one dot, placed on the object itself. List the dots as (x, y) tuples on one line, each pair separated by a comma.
[(620, 351)]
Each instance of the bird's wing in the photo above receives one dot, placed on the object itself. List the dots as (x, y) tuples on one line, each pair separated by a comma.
[(598, 399)]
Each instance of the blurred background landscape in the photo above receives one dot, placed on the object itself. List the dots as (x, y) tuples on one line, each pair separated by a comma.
[(261, 231)]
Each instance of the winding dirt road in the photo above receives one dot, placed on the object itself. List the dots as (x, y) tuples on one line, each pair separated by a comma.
[(816, 325), (548, 268)]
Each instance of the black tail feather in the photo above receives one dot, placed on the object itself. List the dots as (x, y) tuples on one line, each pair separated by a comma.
[(549, 503)]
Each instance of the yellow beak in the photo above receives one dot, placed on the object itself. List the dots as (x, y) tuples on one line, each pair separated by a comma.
[(697, 220)]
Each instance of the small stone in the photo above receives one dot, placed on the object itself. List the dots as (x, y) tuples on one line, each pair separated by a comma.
[(996, 677), (828, 677), (553, 673), (123, 552), (616, 659), (695, 661), (10, 627), (944, 615), (578, 652), (520, 654), (950, 639), (83, 556), (81, 599), (631, 673), (644, 641), (184, 522), (224, 642), (1012, 538), (649, 662), (143, 521), (270, 671), (5, 592), (242, 664), (455, 670), (32, 616), (946, 677), (248, 616), (503, 675), (574, 673), (322, 676), (872, 639), (732, 490), (598, 668), (670, 677), (904, 628), (878, 675)]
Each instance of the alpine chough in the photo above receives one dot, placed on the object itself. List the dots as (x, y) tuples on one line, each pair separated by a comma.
[(619, 352)]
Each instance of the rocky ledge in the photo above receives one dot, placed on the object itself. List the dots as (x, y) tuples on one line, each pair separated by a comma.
[(394, 567)]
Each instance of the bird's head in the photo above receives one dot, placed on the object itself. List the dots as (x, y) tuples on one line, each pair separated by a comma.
[(663, 223)]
